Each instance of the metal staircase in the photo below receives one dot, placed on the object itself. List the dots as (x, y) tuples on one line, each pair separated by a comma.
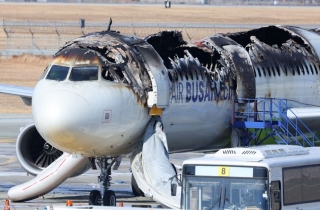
[(269, 115)]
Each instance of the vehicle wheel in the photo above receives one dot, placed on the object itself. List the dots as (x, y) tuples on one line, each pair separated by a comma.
[(109, 198), (135, 189), (95, 198)]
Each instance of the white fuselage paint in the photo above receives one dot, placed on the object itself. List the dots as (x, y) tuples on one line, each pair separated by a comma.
[(303, 88), (71, 115)]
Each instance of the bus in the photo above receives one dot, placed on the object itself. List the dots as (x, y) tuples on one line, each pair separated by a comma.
[(269, 177)]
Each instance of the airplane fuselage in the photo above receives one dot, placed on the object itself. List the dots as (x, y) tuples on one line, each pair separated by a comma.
[(105, 115)]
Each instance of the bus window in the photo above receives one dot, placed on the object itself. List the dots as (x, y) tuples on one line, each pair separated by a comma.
[(58, 73), (206, 193)]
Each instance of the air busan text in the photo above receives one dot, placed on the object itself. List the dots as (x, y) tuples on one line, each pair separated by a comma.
[(199, 91)]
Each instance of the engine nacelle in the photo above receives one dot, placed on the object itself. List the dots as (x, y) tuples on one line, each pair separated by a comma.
[(35, 154)]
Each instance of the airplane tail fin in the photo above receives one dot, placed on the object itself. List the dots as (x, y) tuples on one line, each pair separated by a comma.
[(51, 177)]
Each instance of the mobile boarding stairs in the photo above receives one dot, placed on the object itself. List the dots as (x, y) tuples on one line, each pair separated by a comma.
[(258, 119)]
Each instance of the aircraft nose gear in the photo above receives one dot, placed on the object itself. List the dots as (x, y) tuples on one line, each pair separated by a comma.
[(104, 197)]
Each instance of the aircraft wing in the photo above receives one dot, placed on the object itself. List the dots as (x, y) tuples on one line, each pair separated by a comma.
[(24, 92)]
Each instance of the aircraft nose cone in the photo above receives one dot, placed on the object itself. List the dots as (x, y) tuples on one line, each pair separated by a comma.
[(61, 117)]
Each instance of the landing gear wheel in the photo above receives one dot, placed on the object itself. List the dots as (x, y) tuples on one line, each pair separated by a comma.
[(104, 197), (109, 198), (95, 198), (135, 189)]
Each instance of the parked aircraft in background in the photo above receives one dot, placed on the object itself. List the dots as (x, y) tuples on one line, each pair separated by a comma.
[(95, 100)]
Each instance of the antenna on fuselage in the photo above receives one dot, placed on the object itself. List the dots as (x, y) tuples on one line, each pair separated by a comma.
[(109, 26)]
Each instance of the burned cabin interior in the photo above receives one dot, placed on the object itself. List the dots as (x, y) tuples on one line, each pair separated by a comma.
[(270, 51), (189, 60), (120, 62), (275, 50)]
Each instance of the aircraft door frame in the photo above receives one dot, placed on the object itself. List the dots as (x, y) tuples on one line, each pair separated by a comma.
[(159, 96)]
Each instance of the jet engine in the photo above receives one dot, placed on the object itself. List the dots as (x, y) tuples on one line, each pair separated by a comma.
[(34, 153)]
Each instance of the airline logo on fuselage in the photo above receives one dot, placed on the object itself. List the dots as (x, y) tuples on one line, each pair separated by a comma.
[(199, 91)]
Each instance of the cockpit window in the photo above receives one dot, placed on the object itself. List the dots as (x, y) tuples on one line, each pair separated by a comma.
[(58, 73), (84, 73)]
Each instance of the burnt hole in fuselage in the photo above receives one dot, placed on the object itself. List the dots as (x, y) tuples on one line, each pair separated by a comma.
[(269, 71), (273, 71), (278, 70), (281, 45), (302, 69), (292, 70), (120, 73), (259, 72), (316, 69), (107, 75), (306, 68), (187, 60), (271, 35), (264, 72), (298, 71), (311, 69), (171, 75), (285, 70)]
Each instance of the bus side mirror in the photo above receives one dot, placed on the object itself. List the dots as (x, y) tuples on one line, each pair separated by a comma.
[(277, 196), (173, 189)]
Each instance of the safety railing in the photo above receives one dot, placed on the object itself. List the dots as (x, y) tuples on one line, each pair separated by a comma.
[(270, 114)]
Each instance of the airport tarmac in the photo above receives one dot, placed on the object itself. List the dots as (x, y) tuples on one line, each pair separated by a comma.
[(76, 189)]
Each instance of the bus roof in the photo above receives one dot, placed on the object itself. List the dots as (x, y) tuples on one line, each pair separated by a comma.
[(266, 155)]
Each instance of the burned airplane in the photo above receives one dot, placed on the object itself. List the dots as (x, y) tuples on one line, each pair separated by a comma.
[(104, 93)]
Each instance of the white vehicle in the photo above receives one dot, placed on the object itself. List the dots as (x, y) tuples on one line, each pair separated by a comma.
[(270, 177)]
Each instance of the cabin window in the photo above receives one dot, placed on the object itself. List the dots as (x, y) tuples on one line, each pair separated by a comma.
[(84, 73), (58, 73)]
